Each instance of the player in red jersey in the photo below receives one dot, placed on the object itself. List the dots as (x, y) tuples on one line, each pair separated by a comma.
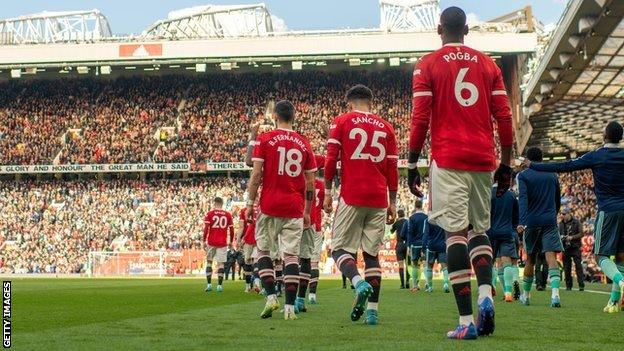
[(459, 91), (248, 242), (217, 224), (319, 186), (311, 242), (367, 147), (283, 164)]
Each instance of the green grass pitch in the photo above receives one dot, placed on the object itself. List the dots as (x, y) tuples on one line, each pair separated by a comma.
[(176, 314)]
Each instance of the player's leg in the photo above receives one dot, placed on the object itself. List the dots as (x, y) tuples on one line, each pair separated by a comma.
[(348, 230), (267, 241), (450, 196), (431, 258), (481, 255), (290, 244), (344, 280), (220, 276), (500, 272), (609, 241), (551, 245), (445, 275), (507, 280), (210, 255), (247, 270), (372, 238), (515, 271), (305, 267), (279, 273), (415, 253), (531, 236), (401, 273), (408, 265), (314, 272)]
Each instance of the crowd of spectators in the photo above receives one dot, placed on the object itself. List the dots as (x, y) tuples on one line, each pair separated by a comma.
[(51, 226), (200, 118)]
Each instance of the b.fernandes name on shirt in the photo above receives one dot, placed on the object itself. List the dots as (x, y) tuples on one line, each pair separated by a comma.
[(460, 56), (287, 137), (369, 120)]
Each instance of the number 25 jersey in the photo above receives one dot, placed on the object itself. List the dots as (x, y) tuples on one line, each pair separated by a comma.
[(460, 90), (286, 156), (367, 148)]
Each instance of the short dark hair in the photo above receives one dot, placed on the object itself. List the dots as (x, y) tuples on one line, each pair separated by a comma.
[(401, 213), (418, 203), (359, 92), (453, 20), (534, 154), (285, 110), (218, 200), (613, 132)]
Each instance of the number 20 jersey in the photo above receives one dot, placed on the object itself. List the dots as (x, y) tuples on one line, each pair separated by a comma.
[(286, 156), (367, 148), (460, 90)]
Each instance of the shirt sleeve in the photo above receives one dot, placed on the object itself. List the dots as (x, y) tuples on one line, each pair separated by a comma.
[(422, 102), (392, 171), (499, 105), (207, 225), (522, 199), (259, 151), (584, 162), (334, 145)]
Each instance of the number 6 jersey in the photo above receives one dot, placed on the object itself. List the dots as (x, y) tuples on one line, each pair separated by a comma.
[(460, 90), (286, 156), (367, 148)]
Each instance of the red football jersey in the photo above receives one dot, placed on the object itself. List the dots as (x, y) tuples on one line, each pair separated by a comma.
[(250, 230), (286, 156), (367, 148), (460, 89), (317, 211), (216, 226)]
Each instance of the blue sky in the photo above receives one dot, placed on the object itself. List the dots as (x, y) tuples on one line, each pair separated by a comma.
[(132, 16)]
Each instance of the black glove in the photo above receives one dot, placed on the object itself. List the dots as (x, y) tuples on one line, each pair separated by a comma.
[(413, 181), (502, 176)]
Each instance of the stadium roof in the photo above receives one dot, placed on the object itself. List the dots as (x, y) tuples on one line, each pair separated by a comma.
[(578, 84)]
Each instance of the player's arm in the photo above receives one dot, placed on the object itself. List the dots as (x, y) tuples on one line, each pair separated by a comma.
[(392, 174), (241, 224), (584, 162), (253, 135), (522, 200), (310, 172), (230, 223), (499, 106), (253, 186), (207, 226), (331, 163), (422, 104), (558, 196), (515, 214)]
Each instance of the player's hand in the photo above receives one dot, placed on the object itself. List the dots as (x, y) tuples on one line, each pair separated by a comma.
[(502, 177), (414, 182), (520, 229), (391, 214), (253, 130), (328, 204), (249, 214), (306, 221), (527, 162)]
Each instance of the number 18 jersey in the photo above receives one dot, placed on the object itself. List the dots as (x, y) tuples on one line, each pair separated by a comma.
[(367, 148), (286, 156)]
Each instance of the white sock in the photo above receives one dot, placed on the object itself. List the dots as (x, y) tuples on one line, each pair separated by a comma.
[(372, 306), (289, 308), (356, 280), (554, 293), (466, 320), (485, 290), (311, 296), (526, 294), (272, 298)]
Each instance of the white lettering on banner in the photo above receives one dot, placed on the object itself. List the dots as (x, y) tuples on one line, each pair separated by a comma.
[(226, 166), (143, 167)]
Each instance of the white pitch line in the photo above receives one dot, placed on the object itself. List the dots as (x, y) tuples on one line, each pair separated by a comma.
[(598, 292)]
